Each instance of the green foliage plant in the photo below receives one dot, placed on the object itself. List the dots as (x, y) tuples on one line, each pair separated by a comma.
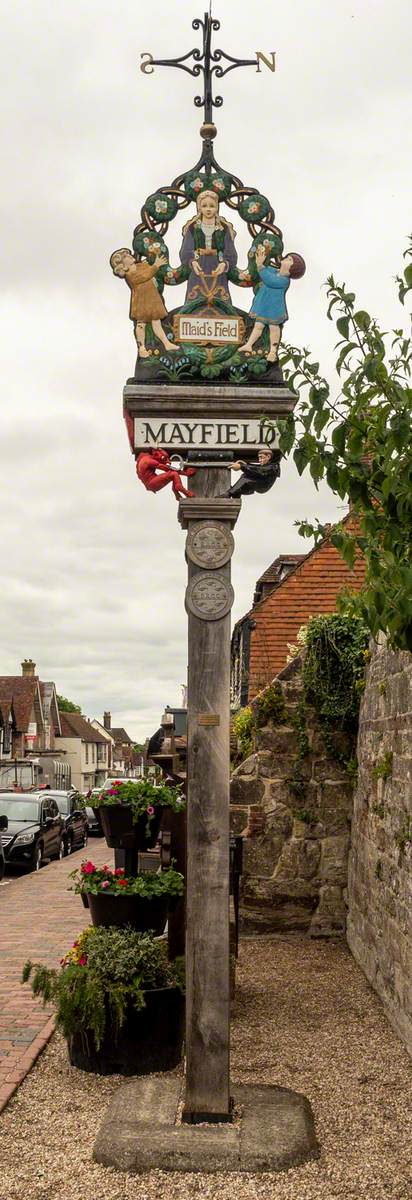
[(333, 667), (270, 707), (89, 878), (65, 705), (106, 971), (243, 726), (142, 797), (383, 767), (360, 441)]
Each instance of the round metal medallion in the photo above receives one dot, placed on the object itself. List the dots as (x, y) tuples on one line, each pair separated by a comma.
[(209, 596), (209, 545)]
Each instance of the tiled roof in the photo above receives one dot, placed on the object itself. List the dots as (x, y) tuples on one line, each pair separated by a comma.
[(22, 690), (75, 726), (120, 735), (310, 589), (271, 575)]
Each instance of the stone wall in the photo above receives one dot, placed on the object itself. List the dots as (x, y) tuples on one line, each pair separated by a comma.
[(295, 868), (380, 881)]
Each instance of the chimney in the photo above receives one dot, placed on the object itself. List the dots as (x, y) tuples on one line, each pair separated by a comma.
[(28, 667), (107, 721)]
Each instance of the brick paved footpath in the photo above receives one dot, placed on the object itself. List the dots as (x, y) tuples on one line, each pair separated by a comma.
[(39, 919)]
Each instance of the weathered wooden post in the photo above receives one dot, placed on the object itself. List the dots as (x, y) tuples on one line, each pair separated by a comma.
[(209, 598)]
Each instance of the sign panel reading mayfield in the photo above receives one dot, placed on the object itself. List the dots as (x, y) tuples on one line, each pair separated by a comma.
[(204, 435), (209, 328)]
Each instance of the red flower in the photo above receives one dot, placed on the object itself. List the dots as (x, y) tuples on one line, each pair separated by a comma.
[(87, 868), (122, 882), (83, 960), (119, 871)]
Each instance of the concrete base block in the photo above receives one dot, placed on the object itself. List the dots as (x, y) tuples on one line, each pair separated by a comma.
[(139, 1133)]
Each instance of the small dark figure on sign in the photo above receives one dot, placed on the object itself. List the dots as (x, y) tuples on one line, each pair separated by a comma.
[(255, 477), (150, 462)]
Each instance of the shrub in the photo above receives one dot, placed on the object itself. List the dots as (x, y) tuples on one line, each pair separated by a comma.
[(243, 727), (106, 971)]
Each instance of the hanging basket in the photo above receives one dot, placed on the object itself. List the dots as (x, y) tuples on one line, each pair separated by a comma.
[(141, 913), (151, 1039), (122, 834)]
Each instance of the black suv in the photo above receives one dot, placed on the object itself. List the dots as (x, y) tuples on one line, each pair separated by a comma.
[(35, 829), (72, 809)]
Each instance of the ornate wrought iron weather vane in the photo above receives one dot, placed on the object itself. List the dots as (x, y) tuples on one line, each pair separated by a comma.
[(207, 62)]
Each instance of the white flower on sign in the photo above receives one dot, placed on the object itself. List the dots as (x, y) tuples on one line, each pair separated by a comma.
[(161, 206)]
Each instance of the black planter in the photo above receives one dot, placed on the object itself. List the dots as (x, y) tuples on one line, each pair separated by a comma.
[(122, 834), (141, 914), (150, 1039), (85, 899)]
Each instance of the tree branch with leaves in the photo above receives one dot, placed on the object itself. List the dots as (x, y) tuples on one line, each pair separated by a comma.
[(360, 442)]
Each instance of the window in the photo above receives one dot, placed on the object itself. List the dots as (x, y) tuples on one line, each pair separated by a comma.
[(87, 751)]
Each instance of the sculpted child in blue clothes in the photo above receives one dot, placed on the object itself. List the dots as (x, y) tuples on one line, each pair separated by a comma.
[(269, 304)]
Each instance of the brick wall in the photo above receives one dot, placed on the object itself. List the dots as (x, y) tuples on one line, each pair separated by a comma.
[(312, 588), (380, 881)]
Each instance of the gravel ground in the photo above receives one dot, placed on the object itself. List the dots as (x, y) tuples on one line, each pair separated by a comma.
[(304, 1018)]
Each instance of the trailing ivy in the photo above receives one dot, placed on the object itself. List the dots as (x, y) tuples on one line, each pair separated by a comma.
[(334, 670), (333, 677)]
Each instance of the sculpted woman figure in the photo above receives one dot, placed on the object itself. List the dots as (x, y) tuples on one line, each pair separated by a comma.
[(208, 249)]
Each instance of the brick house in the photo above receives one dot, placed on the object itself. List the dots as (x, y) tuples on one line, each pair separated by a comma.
[(308, 586), (29, 714)]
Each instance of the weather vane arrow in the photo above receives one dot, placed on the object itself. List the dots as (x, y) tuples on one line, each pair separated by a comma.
[(207, 62)]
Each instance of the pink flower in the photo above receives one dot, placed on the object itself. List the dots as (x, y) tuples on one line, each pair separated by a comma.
[(119, 871), (106, 883), (82, 960), (87, 868), (150, 810)]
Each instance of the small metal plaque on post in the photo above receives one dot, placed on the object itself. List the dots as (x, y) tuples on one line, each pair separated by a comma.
[(209, 596), (209, 545), (208, 718)]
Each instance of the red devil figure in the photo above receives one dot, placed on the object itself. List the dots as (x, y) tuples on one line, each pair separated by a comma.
[(152, 461)]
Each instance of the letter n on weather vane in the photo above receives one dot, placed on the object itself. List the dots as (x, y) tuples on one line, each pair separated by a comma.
[(269, 62)]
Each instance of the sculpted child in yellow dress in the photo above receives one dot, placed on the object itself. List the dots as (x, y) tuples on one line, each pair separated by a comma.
[(146, 303)]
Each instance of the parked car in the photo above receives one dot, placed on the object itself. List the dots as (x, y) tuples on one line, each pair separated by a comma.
[(93, 822), (35, 829), (72, 809), (3, 828)]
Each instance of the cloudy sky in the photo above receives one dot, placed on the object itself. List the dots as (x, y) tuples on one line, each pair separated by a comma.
[(93, 566)]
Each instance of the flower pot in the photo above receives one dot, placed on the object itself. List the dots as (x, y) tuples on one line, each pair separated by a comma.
[(140, 913), (151, 1039), (85, 899), (122, 834)]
